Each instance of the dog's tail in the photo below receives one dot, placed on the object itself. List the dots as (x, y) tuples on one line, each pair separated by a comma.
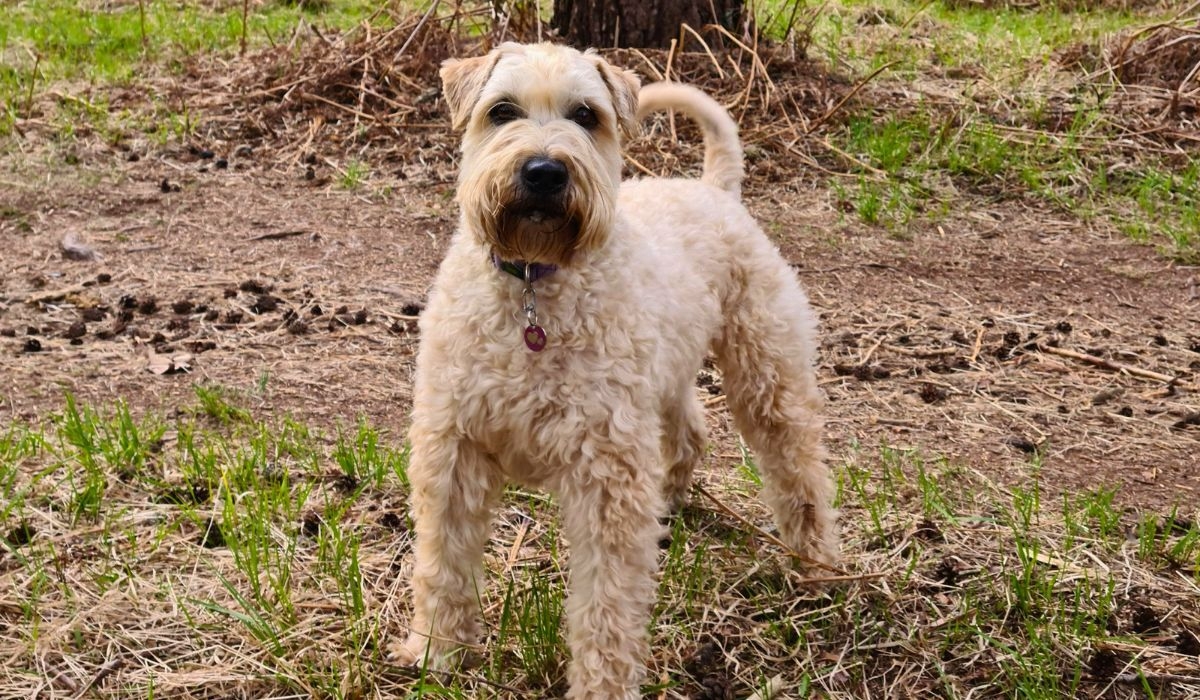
[(722, 149)]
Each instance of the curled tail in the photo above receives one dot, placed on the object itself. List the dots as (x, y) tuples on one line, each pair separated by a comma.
[(722, 149)]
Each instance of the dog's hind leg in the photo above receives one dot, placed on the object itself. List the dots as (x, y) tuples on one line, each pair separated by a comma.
[(684, 438), (454, 489), (765, 353)]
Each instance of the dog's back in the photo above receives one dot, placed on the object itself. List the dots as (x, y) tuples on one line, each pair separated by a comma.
[(722, 149)]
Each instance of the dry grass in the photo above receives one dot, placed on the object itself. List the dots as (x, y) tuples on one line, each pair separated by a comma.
[(212, 555)]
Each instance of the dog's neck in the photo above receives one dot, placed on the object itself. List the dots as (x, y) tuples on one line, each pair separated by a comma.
[(528, 273), (518, 268)]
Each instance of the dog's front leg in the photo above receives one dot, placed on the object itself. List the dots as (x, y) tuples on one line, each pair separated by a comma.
[(610, 517), (454, 489)]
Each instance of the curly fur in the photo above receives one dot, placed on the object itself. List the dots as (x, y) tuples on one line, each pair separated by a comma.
[(653, 274)]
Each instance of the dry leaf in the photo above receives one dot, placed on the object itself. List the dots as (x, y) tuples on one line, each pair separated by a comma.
[(169, 364)]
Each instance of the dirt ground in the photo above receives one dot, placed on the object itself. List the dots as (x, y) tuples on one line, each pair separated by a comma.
[(267, 277)]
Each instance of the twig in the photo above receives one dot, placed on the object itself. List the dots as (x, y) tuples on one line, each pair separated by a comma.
[(53, 294), (756, 65), (867, 357), (978, 345), (277, 235), (1143, 676), (416, 30), (771, 538), (717, 64), (245, 18), (865, 166), (643, 169), (331, 103), (105, 671), (1109, 364), (853, 91), (658, 75)]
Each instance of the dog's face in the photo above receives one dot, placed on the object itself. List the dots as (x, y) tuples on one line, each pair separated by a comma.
[(541, 147)]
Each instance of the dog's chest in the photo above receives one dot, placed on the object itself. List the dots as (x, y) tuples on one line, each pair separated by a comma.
[(534, 411)]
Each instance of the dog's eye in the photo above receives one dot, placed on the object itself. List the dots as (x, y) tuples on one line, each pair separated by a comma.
[(503, 113), (585, 117)]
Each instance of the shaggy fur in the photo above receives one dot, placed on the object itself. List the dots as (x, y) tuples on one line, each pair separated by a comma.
[(651, 275)]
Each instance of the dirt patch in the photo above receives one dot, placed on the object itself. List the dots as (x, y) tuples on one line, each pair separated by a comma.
[(246, 259), (974, 354), (305, 299), (264, 282)]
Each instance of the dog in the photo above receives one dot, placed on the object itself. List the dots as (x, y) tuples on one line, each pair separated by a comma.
[(560, 344)]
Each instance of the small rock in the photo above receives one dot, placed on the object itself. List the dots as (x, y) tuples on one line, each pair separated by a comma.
[(265, 303), (1023, 444), (77, 330)]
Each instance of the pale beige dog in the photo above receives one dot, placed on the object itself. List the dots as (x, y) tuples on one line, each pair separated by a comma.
[(560, 347)]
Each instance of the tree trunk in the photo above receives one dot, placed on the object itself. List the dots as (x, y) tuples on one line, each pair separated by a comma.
[(640, 23)]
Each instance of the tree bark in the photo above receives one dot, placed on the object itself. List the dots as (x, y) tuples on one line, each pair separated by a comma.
[(640, 23)]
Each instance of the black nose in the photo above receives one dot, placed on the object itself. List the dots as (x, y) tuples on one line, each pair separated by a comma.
[(544, 175)]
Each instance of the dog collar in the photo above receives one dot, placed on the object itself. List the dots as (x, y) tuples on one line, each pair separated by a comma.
[(518, 268), (534, 335)]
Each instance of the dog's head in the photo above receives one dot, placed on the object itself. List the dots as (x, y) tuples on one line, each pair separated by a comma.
[(541, 147)]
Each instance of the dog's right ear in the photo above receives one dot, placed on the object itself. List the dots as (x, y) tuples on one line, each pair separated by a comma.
[(462, 82)]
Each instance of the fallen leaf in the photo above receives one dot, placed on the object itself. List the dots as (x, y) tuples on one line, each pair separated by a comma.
[(169, 364)]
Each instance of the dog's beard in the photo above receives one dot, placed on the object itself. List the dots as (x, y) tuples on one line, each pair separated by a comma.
[(535, 231)]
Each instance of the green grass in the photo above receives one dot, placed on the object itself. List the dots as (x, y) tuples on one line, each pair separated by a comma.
[(67, 46), (915, 159), (918, 35), (354, 175), (906, 162), (277, 552)]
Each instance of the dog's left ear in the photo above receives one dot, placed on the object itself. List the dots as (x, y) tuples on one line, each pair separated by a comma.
[(462, 82), (623, 85)]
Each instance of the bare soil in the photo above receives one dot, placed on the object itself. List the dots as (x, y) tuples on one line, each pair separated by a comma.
[(272, 280)]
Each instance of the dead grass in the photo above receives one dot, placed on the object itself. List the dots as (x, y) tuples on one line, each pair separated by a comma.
[(1157, 70), (228, 557)]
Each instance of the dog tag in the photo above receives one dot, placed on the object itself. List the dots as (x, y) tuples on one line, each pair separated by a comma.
[(535, 338)]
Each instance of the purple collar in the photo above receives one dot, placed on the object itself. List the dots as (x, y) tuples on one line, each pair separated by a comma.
[(516, 268)]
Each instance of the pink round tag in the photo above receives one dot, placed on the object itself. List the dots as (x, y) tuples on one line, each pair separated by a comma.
[(535, 338)]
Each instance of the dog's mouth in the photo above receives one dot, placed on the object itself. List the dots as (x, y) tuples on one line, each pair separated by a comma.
[(537, 231), (541, 217)]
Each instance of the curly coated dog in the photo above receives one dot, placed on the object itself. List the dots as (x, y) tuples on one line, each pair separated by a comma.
[(560, 346)]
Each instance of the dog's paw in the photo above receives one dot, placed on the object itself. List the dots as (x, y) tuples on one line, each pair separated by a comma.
[(816, 559), (414, 651)]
